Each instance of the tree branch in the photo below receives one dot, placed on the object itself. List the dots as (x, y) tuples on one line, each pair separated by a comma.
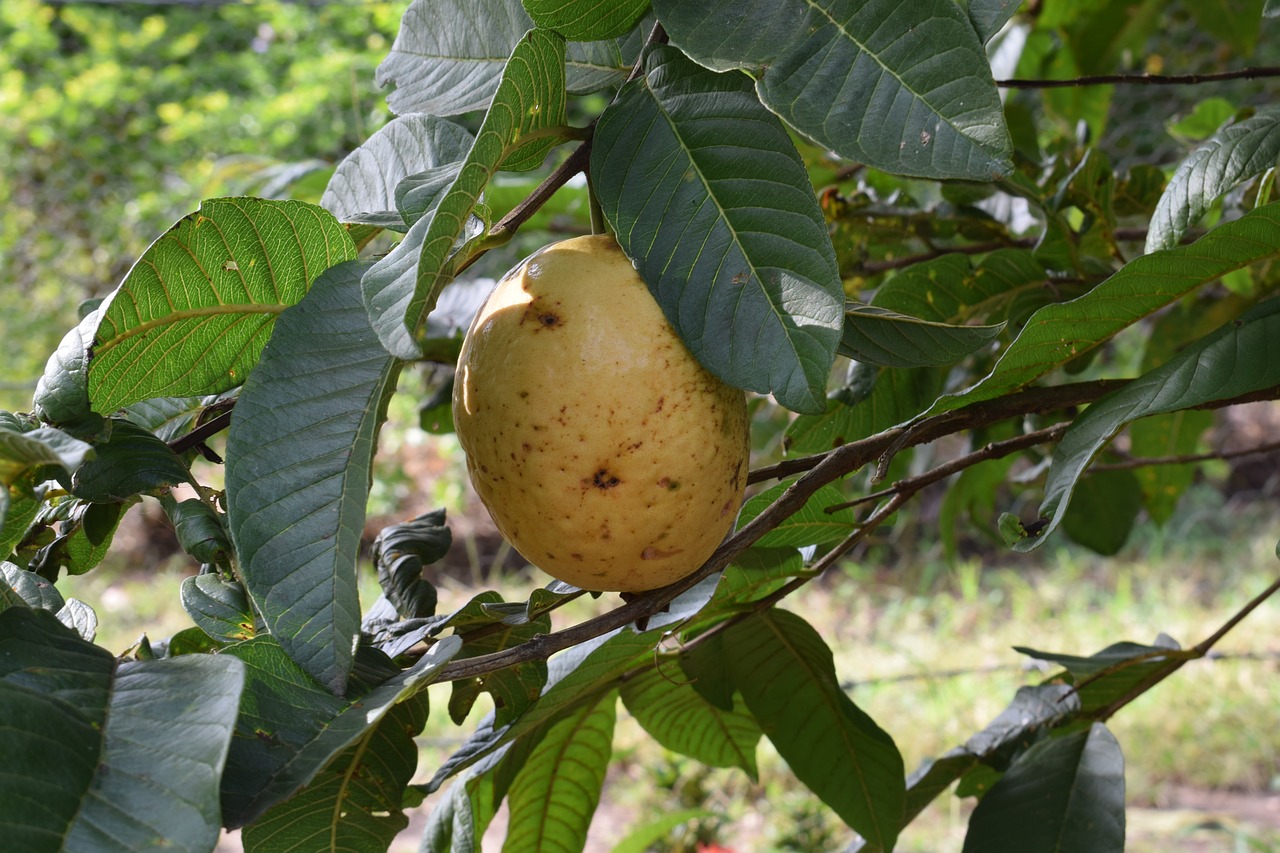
[(1257, 73)]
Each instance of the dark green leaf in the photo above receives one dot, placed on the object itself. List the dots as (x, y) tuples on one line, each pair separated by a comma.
[(402, 288), (811, 525), (1235, 22), (586, 20), (219, 607), (130, 462), (1230, 362), (878, 336), (209, 288), (21, 453), (201, 530), (1104, 510), (169, 417), (988, 16), (845, 72), (300, 455), (1056, 334), (1112, 673), (62, 393), (787, 676), (1033, 712), (1064, 795), (553, 797), (401, 551), (366, 180), (677, 716), (708, 196), (1234, 154), (924, 785), (104, 757), (29, 589)]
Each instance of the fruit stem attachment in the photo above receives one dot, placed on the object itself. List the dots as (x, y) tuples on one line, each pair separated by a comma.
[(599, 225)]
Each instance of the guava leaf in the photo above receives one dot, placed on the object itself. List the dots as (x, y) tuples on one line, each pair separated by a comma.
[(62, 392), (677, 715), (450, 54), (1064, 794), (787, 676), (401, 289), (366, 180), (1105, 512), (1173, 434), (1234, 154), (169, 417), (210, 289), (21, 453), (844, 72), (586, 20), (299, 469), (555, 794), (131, 461), (989, 16), (875, 335), (368, 756), (1034, 710), (1238, 23), (811, 525), (109, 757), (742, 267), (1112, 673), (219, 607), (29, 589), (1060, 332), (1234, 360)]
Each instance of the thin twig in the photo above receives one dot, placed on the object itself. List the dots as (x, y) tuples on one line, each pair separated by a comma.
[(1143, 462), (1257, 73)]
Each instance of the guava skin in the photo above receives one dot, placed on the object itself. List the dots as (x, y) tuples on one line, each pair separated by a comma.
[(606, 454)]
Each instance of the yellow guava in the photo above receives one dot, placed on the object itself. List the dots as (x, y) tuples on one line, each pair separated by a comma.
[(606, 454)]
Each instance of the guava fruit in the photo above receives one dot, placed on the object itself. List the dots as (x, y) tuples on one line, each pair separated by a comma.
[(606, 454)]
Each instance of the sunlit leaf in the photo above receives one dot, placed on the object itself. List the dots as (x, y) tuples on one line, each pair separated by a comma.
[(195, 311)]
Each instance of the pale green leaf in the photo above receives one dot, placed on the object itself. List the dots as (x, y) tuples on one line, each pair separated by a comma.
[(709, 198), (21, 453), (402, 288), (586, 20), (365, 181), (299, 468), (812, 524), (195, 311), (1234, 154), (553, 797)]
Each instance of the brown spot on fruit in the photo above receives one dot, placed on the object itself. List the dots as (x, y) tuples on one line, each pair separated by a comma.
[(652, 553), (669, 484), (604, 480)]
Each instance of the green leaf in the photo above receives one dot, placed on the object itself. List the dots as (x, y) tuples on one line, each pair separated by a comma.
[(1228, 363), (677, 716), (876, 335), (402, 288), (103, 757), (1235, 22), (299, 467), (195, 311), (130, 462), (170, 417), (811, 525), (62, 392), (897, 396), (754, 574), (368, 757), (1234, 154), (29, 589), (201, 530), (79, 617), (1174, 434), (554, 796), (988, 16), (787, 676), (844, 72), (219, 607), (586, 20), (365, 181), (1058, 333), (1106, 506), (653, 832), (400, 553), (22, 453), (1064, 794), (742, 267), (1112, 673), (1034, 711)]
